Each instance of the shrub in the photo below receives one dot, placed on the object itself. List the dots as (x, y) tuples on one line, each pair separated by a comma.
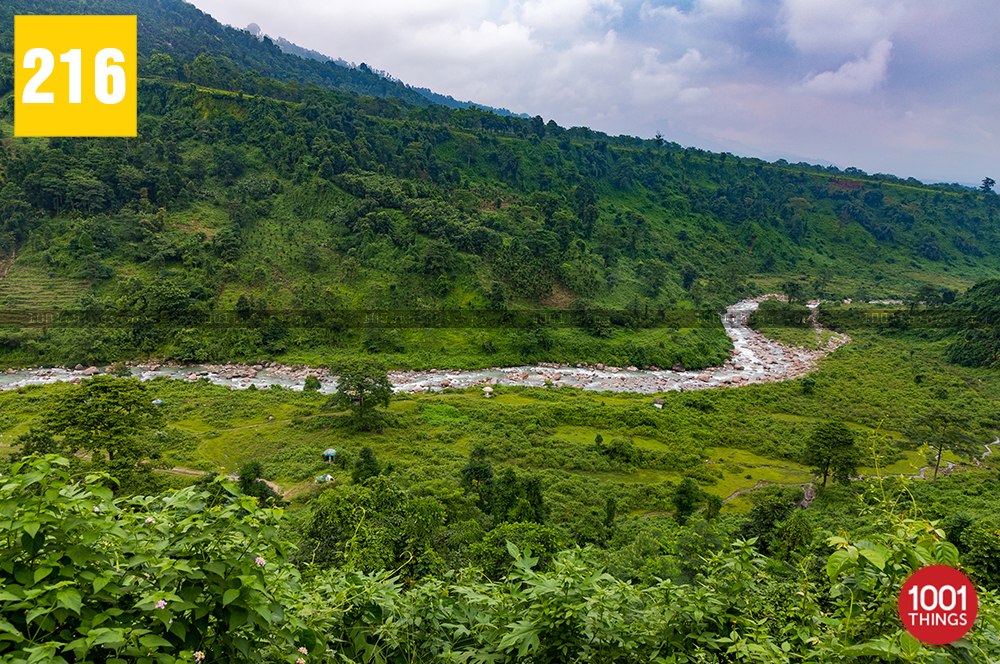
[(145, 579)]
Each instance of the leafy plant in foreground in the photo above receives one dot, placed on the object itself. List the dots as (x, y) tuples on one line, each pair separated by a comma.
[(150, 579)]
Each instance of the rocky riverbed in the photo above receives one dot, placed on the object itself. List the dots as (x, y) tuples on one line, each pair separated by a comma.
[(753, 359)]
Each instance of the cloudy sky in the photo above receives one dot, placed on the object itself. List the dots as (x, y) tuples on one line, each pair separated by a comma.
[(909, 87)]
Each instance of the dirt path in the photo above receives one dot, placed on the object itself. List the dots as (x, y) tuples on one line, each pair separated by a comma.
[(190, 472)]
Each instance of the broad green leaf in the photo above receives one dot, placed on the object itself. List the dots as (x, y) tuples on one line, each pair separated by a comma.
[(909, 645), (836, 562), (113, 637), (216, 567), (37, 611), (70, 598), (153, 641), (79, 554), (230, 595), (874, 557)]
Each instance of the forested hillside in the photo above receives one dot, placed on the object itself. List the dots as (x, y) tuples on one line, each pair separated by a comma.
[(276, 195)]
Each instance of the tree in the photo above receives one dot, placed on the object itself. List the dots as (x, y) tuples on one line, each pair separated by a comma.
[(161, 66), (362, 386), (654, 273), (831, 450), (498, 550), (928, 294), (942, 430), (36, 442), (312, 384), (251, 483), (771, 506), (987, 186), (538, 126), (688, 274), (365, 466), (105, 416), (793, 291), (685, 499), (477, 477)]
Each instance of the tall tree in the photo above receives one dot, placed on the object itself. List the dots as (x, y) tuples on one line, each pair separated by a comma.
[(943, 430), (832, 451), (365, 466), (362, 386)]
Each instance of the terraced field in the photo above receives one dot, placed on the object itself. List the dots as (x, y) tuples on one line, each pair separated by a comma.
[(27, 287)]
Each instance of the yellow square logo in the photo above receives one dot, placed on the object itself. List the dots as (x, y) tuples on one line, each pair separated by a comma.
[(75, 76)]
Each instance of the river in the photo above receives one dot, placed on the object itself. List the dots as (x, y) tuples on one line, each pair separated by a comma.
[(754, 359)]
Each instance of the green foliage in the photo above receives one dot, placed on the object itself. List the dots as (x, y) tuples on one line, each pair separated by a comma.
[(154, 579), (941, 430), (365, 466), (362, 386), (298, 199), (981, 544), (572, 611), (499, 551), (685, 500), (975, 344), (103, 415), (832, 450), (251, 483), (110, 419), (378, 526)]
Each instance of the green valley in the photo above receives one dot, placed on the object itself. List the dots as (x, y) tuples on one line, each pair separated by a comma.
[(274, 210)]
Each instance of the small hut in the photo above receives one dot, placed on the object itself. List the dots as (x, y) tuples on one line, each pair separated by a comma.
[(658, 403), (329, 454)]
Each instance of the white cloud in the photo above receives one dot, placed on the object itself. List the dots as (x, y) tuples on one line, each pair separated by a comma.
[(839, 26), (507, 42), (857, 77), (668, 12), (565, 15), (654, 81)]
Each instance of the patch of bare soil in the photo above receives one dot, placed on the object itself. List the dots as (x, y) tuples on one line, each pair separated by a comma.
[(561, 298)]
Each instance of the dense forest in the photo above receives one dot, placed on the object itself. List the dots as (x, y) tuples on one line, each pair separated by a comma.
[(270, 204)]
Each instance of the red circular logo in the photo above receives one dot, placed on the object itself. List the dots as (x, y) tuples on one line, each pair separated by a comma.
[(938, 604)]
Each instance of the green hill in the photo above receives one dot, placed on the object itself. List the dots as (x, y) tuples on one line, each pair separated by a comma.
[(243, 192)]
